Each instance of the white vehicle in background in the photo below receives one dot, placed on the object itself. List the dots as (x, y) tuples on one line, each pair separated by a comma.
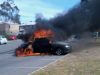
[(3, 39)]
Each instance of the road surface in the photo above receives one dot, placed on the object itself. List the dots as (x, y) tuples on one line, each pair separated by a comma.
[(11, 65)]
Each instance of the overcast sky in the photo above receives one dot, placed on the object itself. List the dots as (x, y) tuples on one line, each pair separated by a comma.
[(49, 8)]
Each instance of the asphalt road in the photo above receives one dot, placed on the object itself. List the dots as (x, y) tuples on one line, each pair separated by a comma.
[(11, 65)]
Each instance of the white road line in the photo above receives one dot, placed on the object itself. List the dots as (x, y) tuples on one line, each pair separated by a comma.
[(47, 65), (24, 67)]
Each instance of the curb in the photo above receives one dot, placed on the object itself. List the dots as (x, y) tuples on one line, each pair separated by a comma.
[(42, 68)]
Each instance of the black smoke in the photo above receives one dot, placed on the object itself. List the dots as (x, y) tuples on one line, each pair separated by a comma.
[(81, 18)]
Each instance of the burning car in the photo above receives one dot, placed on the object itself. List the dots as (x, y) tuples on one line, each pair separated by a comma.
[(43, 44)]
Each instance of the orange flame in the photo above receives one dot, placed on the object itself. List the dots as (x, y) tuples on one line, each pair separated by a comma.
[(43, 33)]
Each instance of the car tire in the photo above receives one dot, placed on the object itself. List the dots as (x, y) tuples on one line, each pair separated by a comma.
[(59, 51)]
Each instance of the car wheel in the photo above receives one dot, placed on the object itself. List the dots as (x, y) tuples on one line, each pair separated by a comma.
[(59, 51)]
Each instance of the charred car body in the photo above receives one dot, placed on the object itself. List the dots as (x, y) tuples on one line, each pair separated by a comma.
[(43, 45)]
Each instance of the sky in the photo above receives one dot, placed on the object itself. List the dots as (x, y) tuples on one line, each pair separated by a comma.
[(48, 8)]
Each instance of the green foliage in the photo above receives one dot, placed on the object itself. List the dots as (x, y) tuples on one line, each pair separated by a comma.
[(9, 12)]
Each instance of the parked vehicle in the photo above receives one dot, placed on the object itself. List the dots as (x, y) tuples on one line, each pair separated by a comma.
[(96, 34), (12, 37), (3, 39)]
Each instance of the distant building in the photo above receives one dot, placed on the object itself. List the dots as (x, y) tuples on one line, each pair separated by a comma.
[(9, 28), (27, 28)]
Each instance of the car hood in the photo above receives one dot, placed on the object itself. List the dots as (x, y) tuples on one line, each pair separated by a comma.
[(60, 43)]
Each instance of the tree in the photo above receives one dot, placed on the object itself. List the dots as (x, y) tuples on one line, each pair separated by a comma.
[(9, 12)]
